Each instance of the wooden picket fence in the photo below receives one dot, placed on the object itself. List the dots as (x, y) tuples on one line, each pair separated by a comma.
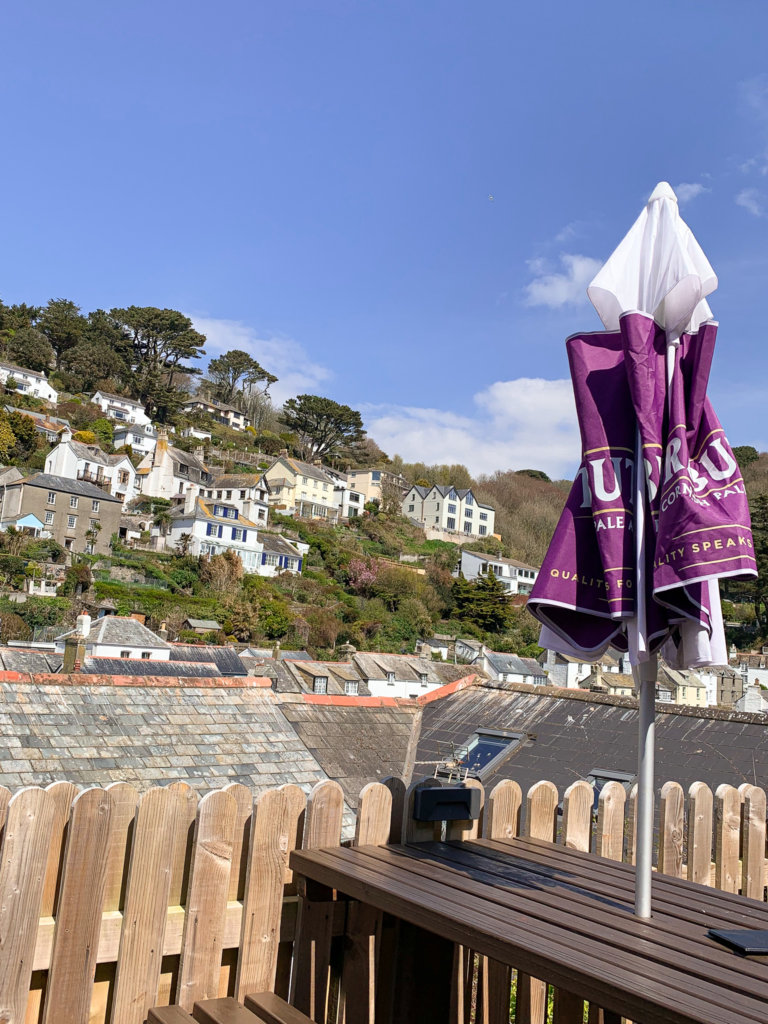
[(113, 902)]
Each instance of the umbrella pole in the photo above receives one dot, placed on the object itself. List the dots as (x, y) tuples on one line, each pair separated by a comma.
[(645, 682)]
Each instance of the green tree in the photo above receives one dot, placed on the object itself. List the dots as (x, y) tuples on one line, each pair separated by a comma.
[(759, 512), (7, 438), (104, 431), (163, 341), (744, 454), (324, 427), (235, 372), (29, 348), (25, 434), (63, 325), (484, 602)]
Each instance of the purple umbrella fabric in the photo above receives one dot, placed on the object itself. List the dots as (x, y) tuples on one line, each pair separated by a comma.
[(697, 525)]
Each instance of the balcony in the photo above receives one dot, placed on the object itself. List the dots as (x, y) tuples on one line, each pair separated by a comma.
[(105, 482)]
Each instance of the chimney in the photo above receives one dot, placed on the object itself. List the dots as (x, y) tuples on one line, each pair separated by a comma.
[(283, 451), (162, 441), (74, 646), (65, 435), (163, 631), (190, 500), (200, 452), (317, 462), (347, 651), (276, 651)]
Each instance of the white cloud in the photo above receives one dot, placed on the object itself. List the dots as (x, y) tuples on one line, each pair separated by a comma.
[(564, 288), (284, 357), (752, 201), (520, 424), (686, 191)]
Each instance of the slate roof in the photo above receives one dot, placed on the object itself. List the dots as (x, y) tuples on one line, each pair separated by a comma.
[(204, 510), (567, 733), (149, 667), (355, 745), (203, 623), (405, 668), (278, 545), (186, 459), (24, 369), (94, 734), (502, 561), (120, 398), (62, 483), (213, 404), (307, 469), (92, 453), (512, 663), (299, 676), (226, 659), (121, 631), (242, 480), (19, 659)]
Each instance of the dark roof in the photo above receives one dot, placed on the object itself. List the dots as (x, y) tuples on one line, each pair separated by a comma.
[(299, 676), (512, 663), (148, 667), (355, 745), (62, 483), (92, 453), (226, 659), (120, 398), (278, 545), (19, 659), (186, 459), (566, 733), (243, 480)]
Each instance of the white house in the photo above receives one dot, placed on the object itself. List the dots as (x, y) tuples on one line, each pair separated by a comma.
[(248, 492), (142, 439), (116, 636), (29, 382), (567, 672), (76, 461), (118, 407), (281, 555), (506, 668), (213, 527), (517, 577), (168, 472), (449, 510), (394, 675), (196, 432), (227, 415)]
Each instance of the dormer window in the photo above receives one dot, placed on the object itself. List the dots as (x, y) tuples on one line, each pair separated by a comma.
[(320, 684), (391, 678)]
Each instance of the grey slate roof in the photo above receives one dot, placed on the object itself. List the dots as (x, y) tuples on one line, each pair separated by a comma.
[(92, 453), (278, 545), (63, 483), (567, 733), (94, 734), (210, 624), (512, 663), (299, 676), (145, 667), (19, 659), (226, 659), (355, 745), (408, 669), (118, 630)]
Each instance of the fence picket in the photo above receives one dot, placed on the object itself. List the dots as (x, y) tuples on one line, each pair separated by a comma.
[(699, 852), (206, 904), (28, 831), (609, 832), (753, 855), (671, 829), (374, 814), (274, 834), (577, 816), (62, 794), (312, 948), (243, 798), (418, 831), (631, 827), (467, 829), (161, 817), (540, 823), (78, 915), (502, 813), (727, 833), (396, 788)]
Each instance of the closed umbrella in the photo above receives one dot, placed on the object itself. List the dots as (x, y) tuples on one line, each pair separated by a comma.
[(658, 511)]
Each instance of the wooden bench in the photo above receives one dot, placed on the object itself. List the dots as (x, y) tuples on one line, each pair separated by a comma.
[(263, 1008)]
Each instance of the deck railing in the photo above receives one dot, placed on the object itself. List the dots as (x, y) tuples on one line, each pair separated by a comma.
[(112, 901)]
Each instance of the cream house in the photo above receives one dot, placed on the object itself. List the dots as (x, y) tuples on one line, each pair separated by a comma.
[(370, 482), (302, 489)]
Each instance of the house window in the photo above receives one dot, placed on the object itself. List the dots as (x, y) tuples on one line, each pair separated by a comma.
[(452, 510), (92, 524), (375, 476), (228, 495), (484, 515), (145, 655), (123, 476), (467, 527), (451, 524), (410, 508), (48, 518), (467, 513), (267, 559), (73, 502), (242, 494), (351, 687), (468, 499), (304, 480), (125, 654), (71, 522), (213, 530), (391, 678), (423, 678), (320, 684), (238, 534), (95, 505), (483, 530)]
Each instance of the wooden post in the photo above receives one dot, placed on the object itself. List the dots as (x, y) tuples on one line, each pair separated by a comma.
[(753, 855), (609, 834), (671, 828), (727, 830), (699, 853)]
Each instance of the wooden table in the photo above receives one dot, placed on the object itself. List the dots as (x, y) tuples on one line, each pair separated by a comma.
[(555, 914)]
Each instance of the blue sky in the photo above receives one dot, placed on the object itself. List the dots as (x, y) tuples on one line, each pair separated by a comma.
[(312, 181)]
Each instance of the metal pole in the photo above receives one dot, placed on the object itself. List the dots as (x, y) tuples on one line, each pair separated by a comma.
[(645, 682)]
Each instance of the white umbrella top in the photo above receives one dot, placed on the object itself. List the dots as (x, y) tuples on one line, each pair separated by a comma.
[(658, 268)]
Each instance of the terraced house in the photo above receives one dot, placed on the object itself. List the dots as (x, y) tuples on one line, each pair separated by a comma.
[(448, 509), (302, 488)]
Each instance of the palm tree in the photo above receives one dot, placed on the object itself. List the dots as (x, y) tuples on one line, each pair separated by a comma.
[(182, 545)]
